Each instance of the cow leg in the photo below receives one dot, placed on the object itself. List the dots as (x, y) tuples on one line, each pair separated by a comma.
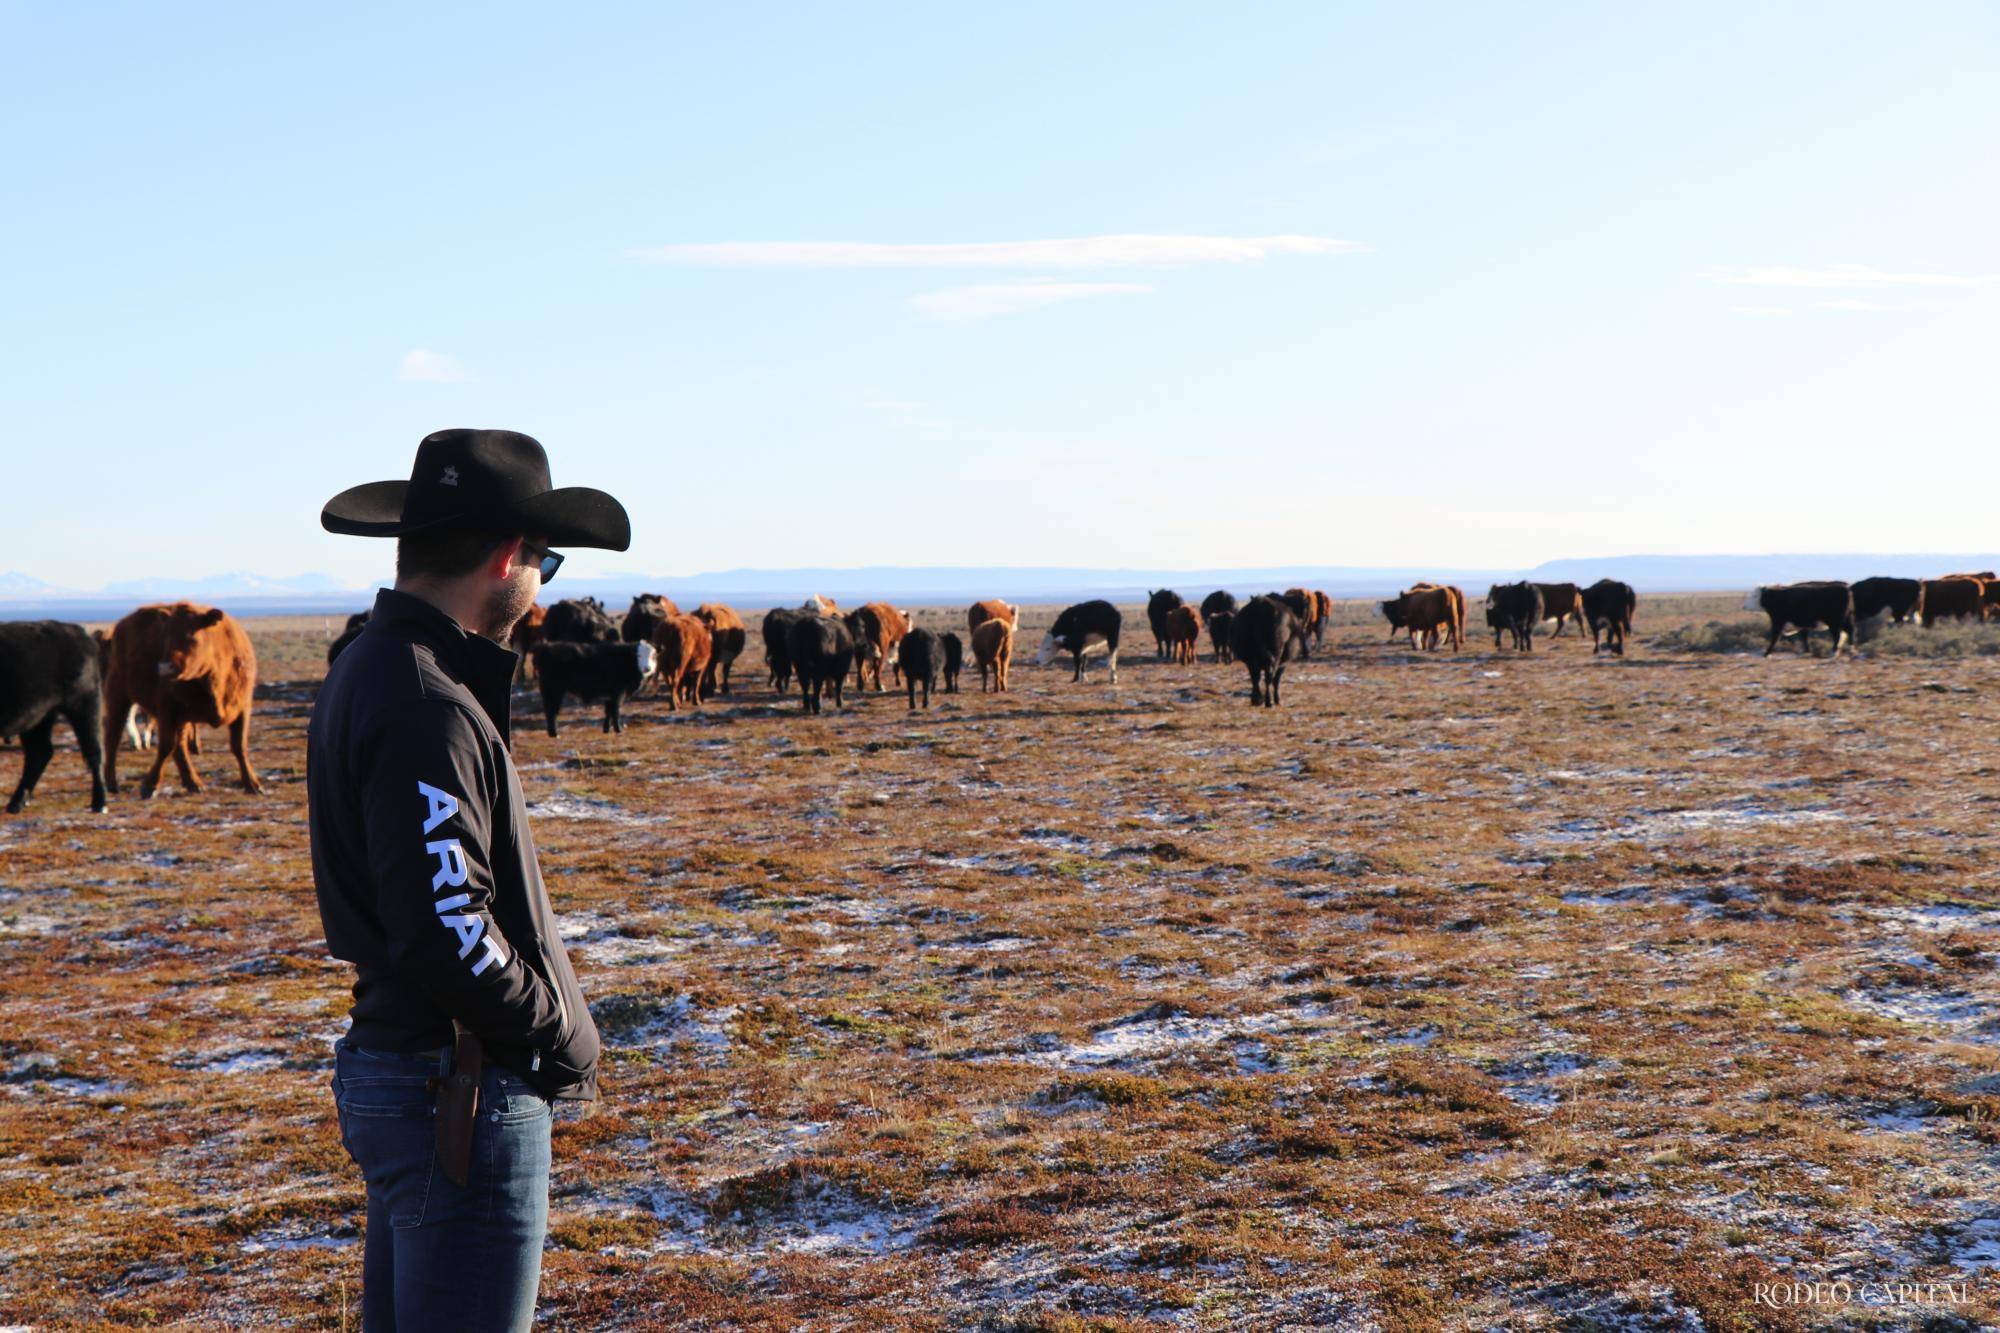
[(37, 745), (166, 741), (1271, 695), (117, 708), (84, 722), (239, 745), (184, 754)]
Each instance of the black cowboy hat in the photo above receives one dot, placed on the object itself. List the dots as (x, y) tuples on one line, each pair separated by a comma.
[(491, 480)]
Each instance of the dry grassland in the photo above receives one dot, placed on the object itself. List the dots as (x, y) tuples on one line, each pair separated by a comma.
[(1462, 992)]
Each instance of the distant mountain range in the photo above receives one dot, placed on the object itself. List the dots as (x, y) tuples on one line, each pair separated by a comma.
[(23, 596)]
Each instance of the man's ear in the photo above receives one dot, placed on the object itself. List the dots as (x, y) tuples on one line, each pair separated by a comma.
[(504, 560)]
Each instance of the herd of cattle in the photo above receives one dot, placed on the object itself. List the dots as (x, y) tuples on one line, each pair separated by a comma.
[(164, 671)]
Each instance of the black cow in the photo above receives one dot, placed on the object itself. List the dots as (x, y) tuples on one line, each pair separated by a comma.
[(1160, 605), (48, 670), (1220, 625), (1896, 598), (1516, 608), (1217, 601), (579, 620), (954, 660), (1804, 607), (648, 609), (821, 651), (922, 657), (1300, 603), (1262, 638), (777, 656), (355, 624), (1084, 630), (612, 672), (1608, 606)]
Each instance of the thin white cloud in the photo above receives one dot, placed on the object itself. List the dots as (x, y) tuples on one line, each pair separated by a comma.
[(985, 299), (1123, 251), (1842, 275), (1758, 310), (422, 366)]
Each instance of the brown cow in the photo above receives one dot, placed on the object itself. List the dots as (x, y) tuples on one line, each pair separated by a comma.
[(877, 628), (1430, 610), (727, 635), (187, 666), (1183, 633), (993, 648), (1989, 598), (138, 727), (1958, 597), (527, 633), (992, 608), (1310, 606), (1562, 603), (684, 646)]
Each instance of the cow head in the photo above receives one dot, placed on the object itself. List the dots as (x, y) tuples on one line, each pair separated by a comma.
[(648, 660), (1754, 601), (189, 653), (1051, 645), (1392, 610)]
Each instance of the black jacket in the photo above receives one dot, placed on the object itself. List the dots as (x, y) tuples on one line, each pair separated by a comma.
[(423, 858)]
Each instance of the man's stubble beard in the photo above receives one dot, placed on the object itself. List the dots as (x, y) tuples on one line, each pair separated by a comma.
[(508, 602)]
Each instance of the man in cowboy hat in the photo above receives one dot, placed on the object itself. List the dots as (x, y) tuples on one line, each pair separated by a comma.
[(467, 1020)]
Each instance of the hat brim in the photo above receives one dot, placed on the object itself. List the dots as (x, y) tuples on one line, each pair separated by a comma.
[(568, 516)]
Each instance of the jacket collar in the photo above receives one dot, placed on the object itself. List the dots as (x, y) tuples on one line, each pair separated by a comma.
[(485, 668)]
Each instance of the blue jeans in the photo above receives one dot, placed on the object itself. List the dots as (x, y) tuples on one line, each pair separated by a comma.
[(438, 1255)]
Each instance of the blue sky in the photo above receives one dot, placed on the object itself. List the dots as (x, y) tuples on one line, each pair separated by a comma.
[(1478, 285)]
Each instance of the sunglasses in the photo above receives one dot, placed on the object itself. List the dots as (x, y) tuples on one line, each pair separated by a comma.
[(551, 562)]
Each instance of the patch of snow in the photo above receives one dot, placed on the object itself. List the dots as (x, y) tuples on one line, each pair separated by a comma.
[(567, 806)]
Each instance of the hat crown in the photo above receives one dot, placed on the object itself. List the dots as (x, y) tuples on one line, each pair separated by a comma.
[(457, 471)]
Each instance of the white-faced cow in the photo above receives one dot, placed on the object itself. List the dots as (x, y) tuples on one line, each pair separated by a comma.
[(609, 673), (1085, 630), (1806, 607)]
